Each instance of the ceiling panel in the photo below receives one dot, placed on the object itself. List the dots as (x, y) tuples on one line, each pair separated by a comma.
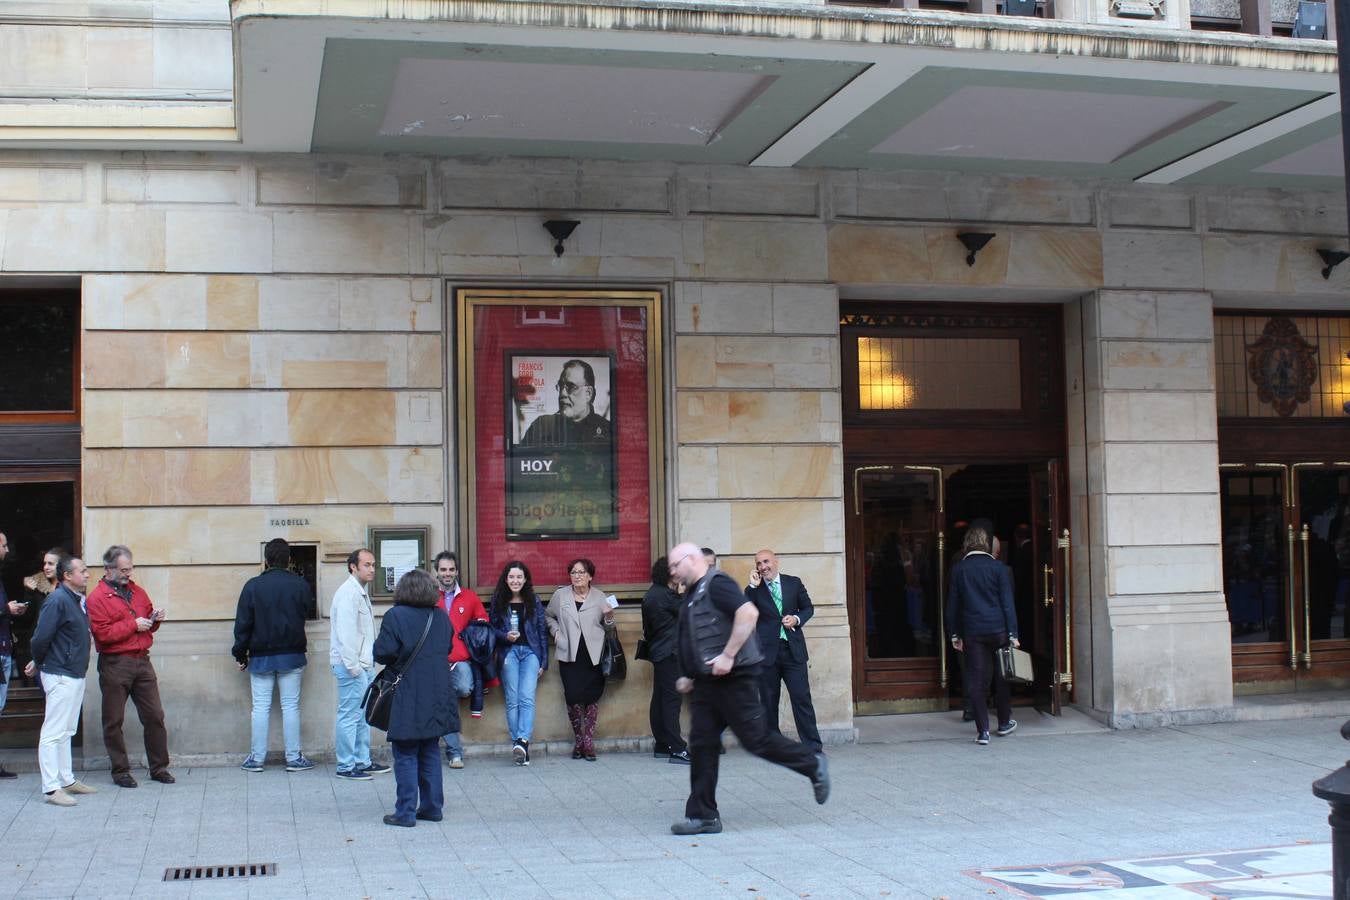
[(466, 99)]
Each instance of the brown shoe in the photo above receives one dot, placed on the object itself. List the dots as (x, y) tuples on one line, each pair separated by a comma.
[(79, 787), (124, 779), (162, 777), (59, 797)]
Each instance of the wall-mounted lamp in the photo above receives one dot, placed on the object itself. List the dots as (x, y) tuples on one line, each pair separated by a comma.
[(561, 229), (974, 241), (1332, 258)]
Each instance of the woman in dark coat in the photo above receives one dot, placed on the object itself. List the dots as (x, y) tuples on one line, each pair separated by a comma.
[(423, 710), (660, 618), (981, 618)]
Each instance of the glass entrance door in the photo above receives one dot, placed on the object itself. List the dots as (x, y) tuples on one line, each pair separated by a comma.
[(904, 529), (1286, 564)]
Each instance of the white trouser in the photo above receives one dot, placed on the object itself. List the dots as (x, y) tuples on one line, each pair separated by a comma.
[(65, 696)]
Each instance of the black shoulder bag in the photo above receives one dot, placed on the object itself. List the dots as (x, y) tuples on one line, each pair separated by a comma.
[(379, 699)]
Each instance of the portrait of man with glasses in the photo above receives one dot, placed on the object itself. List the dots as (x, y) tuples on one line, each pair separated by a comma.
[(561, 467)]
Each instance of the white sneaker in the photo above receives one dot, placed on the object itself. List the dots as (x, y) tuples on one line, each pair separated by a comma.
[(59, 797)]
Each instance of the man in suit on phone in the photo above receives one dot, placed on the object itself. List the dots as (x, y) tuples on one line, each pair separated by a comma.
[(784, 607)]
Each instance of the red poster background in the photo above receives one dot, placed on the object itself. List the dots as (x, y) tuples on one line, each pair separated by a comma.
[(499, 330)]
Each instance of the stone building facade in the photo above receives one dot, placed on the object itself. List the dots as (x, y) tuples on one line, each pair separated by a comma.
[(267, 348)]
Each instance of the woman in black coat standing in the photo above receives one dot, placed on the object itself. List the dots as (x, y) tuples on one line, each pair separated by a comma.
[(422, 710), (660, 618)]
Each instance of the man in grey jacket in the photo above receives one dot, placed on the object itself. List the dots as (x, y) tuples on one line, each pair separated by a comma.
[(351, 642), (60, 648)]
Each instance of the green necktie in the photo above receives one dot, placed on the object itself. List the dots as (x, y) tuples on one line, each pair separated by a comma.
[(777, 593)]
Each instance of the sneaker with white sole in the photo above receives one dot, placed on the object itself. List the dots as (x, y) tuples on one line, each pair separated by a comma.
[(251, 764), (1005, 730), (982, 738), (456, 762), (518, 752), (352, 775), (300, 764), (59, 797), (377, 769)]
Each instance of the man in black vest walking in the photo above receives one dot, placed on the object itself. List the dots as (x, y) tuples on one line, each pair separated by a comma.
[(719, 658)]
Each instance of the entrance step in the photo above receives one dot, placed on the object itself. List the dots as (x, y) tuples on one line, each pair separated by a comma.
[(1270, 707), (947, 726)]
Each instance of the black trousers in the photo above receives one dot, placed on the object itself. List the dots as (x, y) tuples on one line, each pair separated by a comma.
[(664, 713), (732, 701), (979, 654), (785, 670)]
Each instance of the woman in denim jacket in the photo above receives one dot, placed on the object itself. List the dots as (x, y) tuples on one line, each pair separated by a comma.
[(517, 617)]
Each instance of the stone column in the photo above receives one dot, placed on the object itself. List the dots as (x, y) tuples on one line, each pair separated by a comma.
[(1157, 621), (760, 460)]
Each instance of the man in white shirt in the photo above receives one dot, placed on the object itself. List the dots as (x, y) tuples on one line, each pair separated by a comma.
[(351, 646)]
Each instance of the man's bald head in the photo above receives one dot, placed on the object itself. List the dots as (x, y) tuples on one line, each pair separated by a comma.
[(687, 564), (766, 564)]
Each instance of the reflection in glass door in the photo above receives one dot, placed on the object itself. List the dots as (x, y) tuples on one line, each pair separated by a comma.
[(899, 651), (1286, 564)]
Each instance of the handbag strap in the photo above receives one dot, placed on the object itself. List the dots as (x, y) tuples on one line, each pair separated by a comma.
[(426, 629)]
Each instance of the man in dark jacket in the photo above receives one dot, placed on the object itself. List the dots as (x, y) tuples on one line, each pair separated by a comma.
[(269, 642), (60, 648), (982, 619), (784, 608), (719, 659), (9, 610)]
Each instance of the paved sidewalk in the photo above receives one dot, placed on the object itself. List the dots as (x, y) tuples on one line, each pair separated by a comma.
[(907, 819)]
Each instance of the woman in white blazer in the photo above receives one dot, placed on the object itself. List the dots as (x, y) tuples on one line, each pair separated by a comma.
[(577, 616)]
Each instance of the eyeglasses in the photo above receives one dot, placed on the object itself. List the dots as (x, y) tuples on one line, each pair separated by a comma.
[(677, 562), (566, 387), (575, 572)]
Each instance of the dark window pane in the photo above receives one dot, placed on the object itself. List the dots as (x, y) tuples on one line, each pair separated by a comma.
[(38, 332)]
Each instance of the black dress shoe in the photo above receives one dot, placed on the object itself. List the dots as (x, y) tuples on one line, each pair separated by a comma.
[(697, 826), (401, 823), (124, 780), (660, 753), (681, 758), (820, 782), (162, 777), (430, 817), (6, 773)]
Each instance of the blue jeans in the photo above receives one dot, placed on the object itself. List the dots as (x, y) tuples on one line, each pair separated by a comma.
[(288, 686), (352, 733), (6, 667), (462, 681), (417, 779), (520, 676)]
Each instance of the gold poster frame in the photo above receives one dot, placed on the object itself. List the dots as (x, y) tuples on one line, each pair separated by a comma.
[(467, 301)]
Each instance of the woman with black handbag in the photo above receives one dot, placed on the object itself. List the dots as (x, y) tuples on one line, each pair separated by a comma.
[(415, 639), (577, 617)]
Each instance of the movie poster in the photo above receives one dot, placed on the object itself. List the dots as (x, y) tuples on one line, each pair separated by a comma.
[(560, 456)]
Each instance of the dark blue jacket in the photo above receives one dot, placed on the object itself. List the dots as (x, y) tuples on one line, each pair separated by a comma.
[(60, 643), (424, 705), (535, 631), (270, 618), (980, 600)]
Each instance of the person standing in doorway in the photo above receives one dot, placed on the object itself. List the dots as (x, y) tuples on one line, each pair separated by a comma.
[(269, 643), (719, 658), (124, 622), (351, 646), (462, 606), (983, 619), (784, 607), (60, 647)]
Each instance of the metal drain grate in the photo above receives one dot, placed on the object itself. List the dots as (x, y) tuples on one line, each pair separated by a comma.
[(202, 873)]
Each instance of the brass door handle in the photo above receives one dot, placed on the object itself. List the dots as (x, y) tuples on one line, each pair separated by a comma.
[(1047, 597), (1307, 604)]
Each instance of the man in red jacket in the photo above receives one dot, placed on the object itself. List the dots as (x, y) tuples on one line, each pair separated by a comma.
[(463, 606), (124, 622)]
